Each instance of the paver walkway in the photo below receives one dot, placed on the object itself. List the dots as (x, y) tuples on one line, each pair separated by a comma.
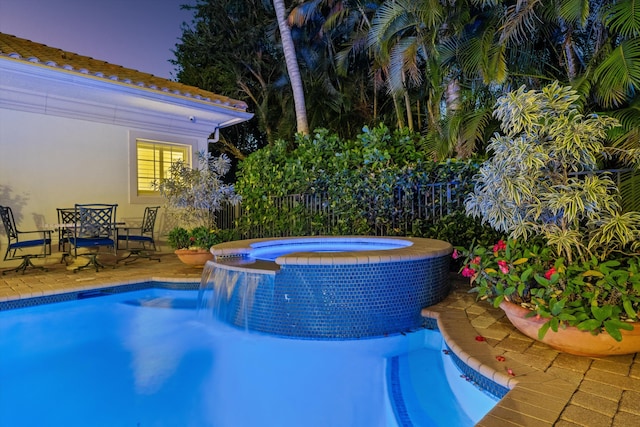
[(553, 389)]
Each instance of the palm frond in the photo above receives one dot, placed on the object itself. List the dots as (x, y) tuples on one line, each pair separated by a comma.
[(623, 17), (403, 65), (496, 69), (474, 131), (519, 22), (618, 75), (629, 188), (574, 11), (390, 19), (430, 12)]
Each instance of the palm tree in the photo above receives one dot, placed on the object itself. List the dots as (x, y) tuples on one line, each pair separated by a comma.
[(328, 35), (292, 67)]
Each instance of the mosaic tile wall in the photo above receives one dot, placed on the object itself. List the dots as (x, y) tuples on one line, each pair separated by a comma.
[(336, 301)]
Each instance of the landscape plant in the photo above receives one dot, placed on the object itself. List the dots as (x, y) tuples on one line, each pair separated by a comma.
[(193, 197), (572, 253), (366, 183)]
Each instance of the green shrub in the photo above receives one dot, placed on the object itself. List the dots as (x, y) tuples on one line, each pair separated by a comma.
[(358, 179)]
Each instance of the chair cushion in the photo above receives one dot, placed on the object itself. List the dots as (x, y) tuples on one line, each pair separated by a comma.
[(136, 238), (29, 243)]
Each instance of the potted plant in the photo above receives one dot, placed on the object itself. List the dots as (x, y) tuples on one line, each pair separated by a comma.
[(193, 196), (572, 258)]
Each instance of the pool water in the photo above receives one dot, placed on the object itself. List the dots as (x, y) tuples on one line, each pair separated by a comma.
[(272, 249), (146, 358)]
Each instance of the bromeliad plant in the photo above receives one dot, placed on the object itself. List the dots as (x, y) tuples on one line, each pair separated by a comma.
[(572, 254)]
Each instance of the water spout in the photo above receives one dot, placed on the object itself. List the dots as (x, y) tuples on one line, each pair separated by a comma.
[(227, 294)]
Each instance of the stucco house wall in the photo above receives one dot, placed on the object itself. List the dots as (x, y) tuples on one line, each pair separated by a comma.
[(67, 132)]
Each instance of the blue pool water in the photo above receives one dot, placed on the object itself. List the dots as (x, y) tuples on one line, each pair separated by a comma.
[(146, 358), (272, 249)]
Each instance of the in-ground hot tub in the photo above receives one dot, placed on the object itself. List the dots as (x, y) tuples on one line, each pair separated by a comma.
[(326, 287)]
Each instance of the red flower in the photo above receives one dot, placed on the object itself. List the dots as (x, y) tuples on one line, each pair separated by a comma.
[(455, 254), (476, 260), (550, 272), (500, 246), (468, 272), (504, 268)]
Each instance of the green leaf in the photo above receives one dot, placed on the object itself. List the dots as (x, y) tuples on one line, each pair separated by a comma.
[(543, 330), (557, 306), (601, 313), (628, 308), (566, 317), (589, 325), (620, 324), (526, 274), (591, 273), (497, 301), (613, 328)]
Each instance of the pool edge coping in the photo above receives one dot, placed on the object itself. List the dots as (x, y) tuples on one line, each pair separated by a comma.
[(420, 248), (460, 338)]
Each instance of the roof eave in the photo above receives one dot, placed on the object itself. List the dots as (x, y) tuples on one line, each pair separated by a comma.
[(39, 88)]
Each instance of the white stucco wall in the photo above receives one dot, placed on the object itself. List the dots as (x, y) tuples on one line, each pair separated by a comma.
[(48, 162), (66, 138)]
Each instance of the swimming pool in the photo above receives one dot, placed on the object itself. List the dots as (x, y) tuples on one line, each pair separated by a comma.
[(144, 358)]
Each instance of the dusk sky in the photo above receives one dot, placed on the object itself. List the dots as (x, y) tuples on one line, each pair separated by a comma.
[(138, 34)]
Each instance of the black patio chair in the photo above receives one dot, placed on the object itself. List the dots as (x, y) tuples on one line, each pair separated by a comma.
[(22, 244), (139, 241), (93, 228), (66, 216)]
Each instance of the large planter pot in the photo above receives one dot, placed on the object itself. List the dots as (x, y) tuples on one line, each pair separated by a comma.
[(571, 339), (194, 257)]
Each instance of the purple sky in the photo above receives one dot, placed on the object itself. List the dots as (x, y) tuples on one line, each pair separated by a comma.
[(138, 34)]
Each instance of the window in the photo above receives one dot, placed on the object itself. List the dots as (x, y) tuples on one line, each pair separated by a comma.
[(150, 157), (154, 160)]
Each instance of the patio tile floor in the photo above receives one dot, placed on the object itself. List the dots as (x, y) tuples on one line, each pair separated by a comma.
[(548, 388)]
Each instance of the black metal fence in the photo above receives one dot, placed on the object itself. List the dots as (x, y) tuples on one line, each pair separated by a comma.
[(399, 213), (316, 214)]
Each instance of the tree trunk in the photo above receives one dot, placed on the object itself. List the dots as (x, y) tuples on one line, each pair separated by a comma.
[(292, 67), (407, 102)]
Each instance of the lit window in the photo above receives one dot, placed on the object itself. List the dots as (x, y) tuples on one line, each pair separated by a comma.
[(153, 162)]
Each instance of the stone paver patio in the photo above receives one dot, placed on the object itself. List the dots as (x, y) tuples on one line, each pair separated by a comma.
[(548, 388)]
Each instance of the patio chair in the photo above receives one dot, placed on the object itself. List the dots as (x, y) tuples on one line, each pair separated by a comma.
[(139, 241), (65, 216), (22, 244), (93, 228)]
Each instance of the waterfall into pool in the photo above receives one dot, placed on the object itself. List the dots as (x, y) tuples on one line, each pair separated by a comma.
[(228, 295)]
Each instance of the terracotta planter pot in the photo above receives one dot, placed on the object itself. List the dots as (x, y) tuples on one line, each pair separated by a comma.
[(194, 257), (571, 339)]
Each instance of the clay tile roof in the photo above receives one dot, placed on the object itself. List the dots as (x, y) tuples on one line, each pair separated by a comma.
[(28, 51)]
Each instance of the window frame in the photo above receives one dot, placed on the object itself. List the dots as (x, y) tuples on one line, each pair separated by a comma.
[(134, 137)]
